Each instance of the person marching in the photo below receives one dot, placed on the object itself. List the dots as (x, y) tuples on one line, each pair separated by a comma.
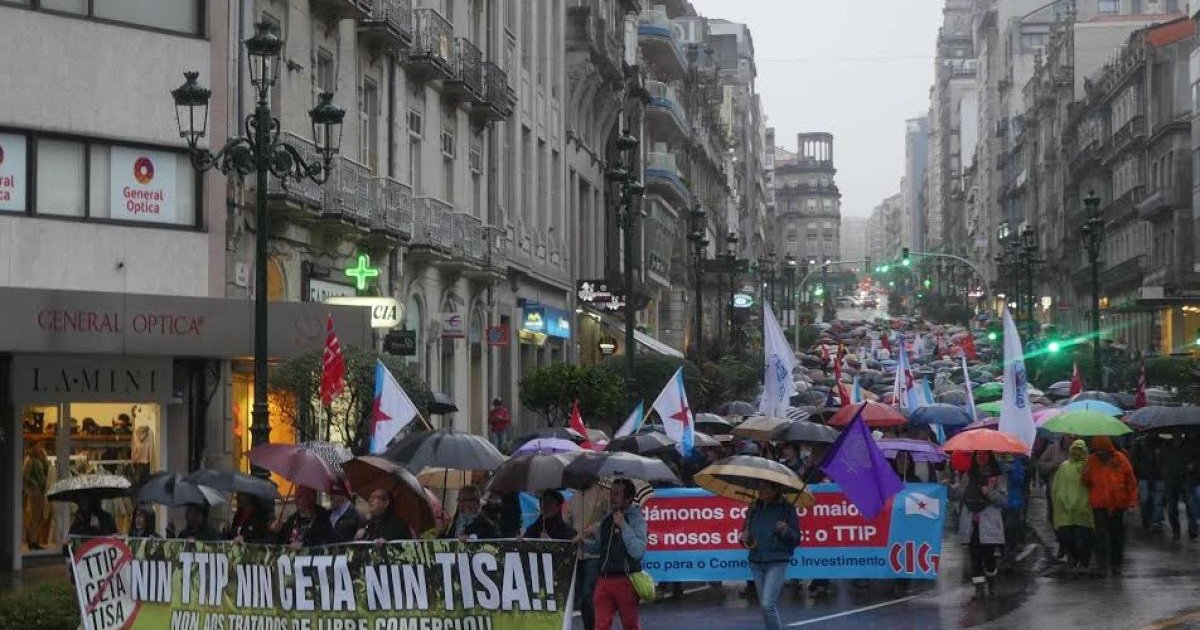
[(983, 492), (771, 532)]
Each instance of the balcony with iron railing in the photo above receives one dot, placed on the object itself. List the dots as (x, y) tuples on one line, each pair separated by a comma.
[(388, 26), (1163, 200), (497, 99), (665, 117), (659, 46), (334, 10), (433, 50), (350, 192), (304, 192), (1133, 130), (1124, 207), (433, 228), (466, 84), (394, 210), (1124, 275), (662, 178), (588, 31)]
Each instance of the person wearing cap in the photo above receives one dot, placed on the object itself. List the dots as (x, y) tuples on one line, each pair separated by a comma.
[(550, 523), (1112, 489), (343, 516), (1074, 521), (470, 522)]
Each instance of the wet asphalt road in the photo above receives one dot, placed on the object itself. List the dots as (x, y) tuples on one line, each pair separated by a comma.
[(1159, 590)]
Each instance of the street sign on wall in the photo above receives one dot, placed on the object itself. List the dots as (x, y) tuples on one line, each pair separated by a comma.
[(454, 326), (401, 343), (497, 336)]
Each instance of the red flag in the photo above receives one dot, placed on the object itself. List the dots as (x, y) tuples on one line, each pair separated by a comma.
[(333, 366), (968, 346), (824, 354), (579, 427), (885, 343), (1139, 400), (1076, 380)]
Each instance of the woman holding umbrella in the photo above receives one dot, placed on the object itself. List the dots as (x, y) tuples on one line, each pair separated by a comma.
[(983, 492), (771, 533)]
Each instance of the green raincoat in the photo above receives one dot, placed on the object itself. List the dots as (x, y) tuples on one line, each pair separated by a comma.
[(1071, 503)]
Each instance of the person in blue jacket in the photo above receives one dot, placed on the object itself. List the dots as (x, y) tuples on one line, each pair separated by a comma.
[(771, 533), (1014, 511)]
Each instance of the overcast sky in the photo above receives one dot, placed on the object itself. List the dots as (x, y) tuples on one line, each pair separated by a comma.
[(857, 68)]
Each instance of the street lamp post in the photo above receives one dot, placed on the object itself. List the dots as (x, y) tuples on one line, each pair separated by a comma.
[(627, 214), (790, 298), (1031, 260), (766, 277), (827, 311), (699, 240), (730, 260), (259, 152), (1093, 236)]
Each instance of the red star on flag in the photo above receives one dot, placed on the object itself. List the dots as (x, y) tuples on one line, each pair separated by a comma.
[(681, 415)]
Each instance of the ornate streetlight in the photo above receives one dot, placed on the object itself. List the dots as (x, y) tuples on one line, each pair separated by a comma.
[(259, 152), (1093, 237), (628, 210), (699, 241)]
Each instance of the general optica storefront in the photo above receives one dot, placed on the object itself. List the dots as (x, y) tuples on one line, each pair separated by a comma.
[(129, 385)]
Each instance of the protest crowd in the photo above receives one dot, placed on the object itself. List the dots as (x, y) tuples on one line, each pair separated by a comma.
[(873, 407)]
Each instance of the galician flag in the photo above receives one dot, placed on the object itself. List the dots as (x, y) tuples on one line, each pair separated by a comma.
[(634, 421), (907, 393), (672, 408), (393, 409), (1016, 414), (778, 363)]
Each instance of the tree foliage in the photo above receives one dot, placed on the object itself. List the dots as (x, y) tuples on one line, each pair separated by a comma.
[(553, 389), (349, 419)]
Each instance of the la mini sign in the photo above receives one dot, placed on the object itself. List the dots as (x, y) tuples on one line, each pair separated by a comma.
[(386, 312)]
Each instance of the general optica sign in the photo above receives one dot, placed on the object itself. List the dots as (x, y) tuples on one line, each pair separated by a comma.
[(142, 185), (13, 176), (693, 536)]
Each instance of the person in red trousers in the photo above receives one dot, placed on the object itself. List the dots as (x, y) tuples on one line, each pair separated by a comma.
[(620, 541)]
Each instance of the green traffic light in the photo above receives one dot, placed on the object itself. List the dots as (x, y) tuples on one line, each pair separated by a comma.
[(891, 283), (884, 269), (992, 336), (1053, 347), (928, 283), (819, 291), (906, 262)]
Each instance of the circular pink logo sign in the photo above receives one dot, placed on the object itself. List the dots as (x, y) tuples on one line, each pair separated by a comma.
[(143, 170)]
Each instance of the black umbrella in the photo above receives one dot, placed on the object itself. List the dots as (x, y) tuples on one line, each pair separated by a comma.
[(712, 423), (1097, 395), (1159, 417), (231, 481), (442, 404), (811, 361), (100, 487), (805, 431), (444, 448), (738, 408), (641, 443), (531, 473), (174, 490), (588, 468)]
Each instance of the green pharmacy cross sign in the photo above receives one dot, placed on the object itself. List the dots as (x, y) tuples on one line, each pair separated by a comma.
[(362, 272)]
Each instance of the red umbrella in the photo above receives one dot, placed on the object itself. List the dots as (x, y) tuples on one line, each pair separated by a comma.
[(985, 440), (295, 463), (875, 414)]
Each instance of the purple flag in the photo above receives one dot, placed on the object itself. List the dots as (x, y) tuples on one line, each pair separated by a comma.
[(860, 468)]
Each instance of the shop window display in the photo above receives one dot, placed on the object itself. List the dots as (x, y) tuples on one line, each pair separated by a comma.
[(83, 438)]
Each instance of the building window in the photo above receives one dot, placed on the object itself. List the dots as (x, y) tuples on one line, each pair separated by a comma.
[(369, 128), (555, 194), (416, 125), (177, 16), (543, 17), (97, 180), (326, 81), (448, 155), (1108, 7), (526, 33), (526, 202)]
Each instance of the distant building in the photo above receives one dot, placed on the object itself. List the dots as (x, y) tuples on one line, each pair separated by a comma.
[(854, 241), (807, 201)]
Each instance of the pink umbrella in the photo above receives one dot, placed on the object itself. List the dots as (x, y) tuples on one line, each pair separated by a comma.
[(294, 463), (1042, 415)]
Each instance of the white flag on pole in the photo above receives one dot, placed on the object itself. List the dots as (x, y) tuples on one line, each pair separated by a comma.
[(778, 363), (392, 411), (1016, 413)]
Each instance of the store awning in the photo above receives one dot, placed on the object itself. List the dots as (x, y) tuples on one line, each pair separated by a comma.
[(651, 343)]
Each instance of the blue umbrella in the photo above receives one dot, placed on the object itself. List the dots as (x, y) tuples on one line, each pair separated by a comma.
[(940, 413), (1095, 405)]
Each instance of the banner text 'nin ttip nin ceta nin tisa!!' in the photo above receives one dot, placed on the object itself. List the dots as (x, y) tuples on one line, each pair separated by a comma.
[(135, 584)]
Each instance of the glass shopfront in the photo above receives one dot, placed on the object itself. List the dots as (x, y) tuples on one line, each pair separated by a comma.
[(66, 439)]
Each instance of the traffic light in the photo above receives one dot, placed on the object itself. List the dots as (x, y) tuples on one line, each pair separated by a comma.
[(904, 259), (891, 283), (993, 332), (1053, 347), (819, 291), (883, 269), (928, 283)]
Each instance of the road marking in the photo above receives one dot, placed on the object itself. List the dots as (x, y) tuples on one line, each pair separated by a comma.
[(1173, 622), (852, 612)]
